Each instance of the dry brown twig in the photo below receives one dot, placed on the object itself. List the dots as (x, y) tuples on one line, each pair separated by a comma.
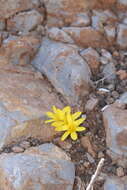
[(93, 178)]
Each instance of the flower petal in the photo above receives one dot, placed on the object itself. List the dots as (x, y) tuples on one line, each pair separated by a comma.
[(50, 114), (65, 135), (61, 128), (79, 121), (57, 123), (49, 121), (67, 109), (76, 115), (74, 136), (80, 129), (54, 109), (69, 118)]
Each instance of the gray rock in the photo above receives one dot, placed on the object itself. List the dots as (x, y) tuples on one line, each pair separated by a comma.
[(122, 36), (115, 183), (57, 34), (106, 54), (123, 98), (122, 2), (99, 18), (81, 20), (25, 21), (11, 7), (115, 123), (2, 24), (23, 105), (110, 32), (109, 71), (44, 167), (65, 69)]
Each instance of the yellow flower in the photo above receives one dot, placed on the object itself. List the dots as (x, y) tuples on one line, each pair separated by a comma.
[(57, 117), (72, 126), (63, 120)]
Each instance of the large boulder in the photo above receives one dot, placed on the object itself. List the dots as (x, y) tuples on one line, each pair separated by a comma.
[(24, 99), (45, 167), (65, 69)]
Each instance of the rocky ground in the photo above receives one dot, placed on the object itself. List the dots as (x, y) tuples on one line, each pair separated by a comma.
[(63, 52)]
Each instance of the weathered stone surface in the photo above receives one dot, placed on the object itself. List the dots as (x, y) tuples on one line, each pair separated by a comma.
[(92, 57), (122, 36), (104, 4), (57, 34), (115, 183), (101, 18), (122, 5), (81, 20), (65, 11), (65, 69), (11, 7), (87, 144), (115, 122), (24, 21), (122, 74), (18, 50), (2, 24), (91, 104), (86, 36), (110, 32), (45, 167), (109, 71), (24, 99), (123, 98)]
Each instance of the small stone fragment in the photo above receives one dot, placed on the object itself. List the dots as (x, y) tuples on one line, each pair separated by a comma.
[(120, 172), (81, 20), (100, 155), (106, 54), (25, 144), (91, 104), (57, 34), (109, 71), (115, 183), (17, 149), (92, 57), (122, 36), (122, 74), (86, 143)]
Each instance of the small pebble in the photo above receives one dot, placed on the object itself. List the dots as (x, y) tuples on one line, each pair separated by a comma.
[(25, 144), (90, 158), (100, 155), (86, 164), (120, 172), (104, 60), (110, 100), (116, 54), (17, 149), (115, 94)]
